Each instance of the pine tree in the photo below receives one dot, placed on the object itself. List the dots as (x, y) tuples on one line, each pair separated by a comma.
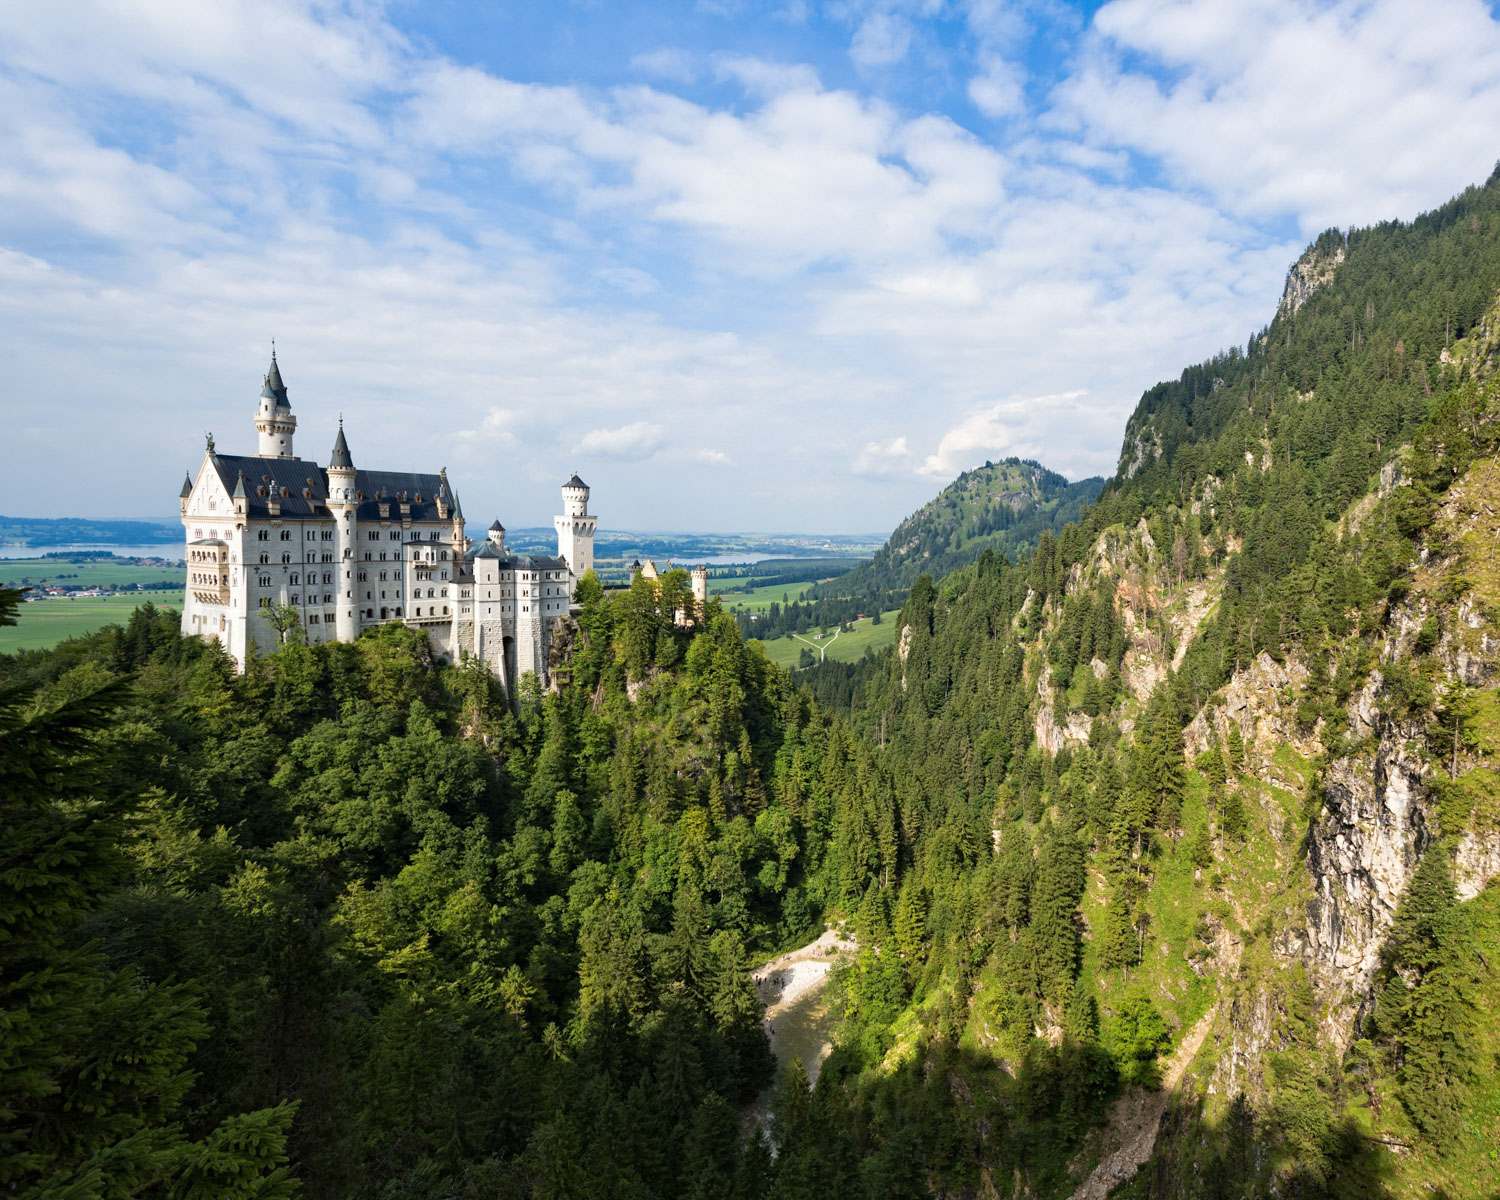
[(1435, 1024), (1117, 942), (1235, 744), (911, 925)]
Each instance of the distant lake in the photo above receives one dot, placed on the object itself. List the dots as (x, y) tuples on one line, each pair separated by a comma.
[(172, 551)]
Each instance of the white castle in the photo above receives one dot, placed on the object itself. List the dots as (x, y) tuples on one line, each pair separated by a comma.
[(344, 549)]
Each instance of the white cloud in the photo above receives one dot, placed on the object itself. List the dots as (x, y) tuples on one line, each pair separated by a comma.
[(1340, 113), (997, 90), (713, 458), (762, 78), (883, 460), (668, 62), (639, 439), (989, 433), (881, 40), (525, 261)]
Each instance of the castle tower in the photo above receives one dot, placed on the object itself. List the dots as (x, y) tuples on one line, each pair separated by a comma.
[(343, 502), (497, 538), (575, 528), (700, 590), (273, 418), (458, 540)]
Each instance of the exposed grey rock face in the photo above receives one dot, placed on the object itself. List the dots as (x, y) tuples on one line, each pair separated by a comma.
[(1362, 850), (1308, 274)]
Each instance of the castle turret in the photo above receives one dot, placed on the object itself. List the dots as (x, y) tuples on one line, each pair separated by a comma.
[(700, 589), (273, 417), (497, 537), (186, 494), (457, 538), (575, 528), (343, 504)]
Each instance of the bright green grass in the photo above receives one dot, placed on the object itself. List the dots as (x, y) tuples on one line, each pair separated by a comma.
[(14, 572), (847, 647), (44, 623), (745, 595)]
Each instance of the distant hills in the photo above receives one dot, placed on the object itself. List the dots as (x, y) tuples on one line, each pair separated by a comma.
[(53, 531), (1002, 506)]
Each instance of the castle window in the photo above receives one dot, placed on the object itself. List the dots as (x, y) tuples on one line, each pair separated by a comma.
[(286, 558), (398, 610), (312, 619), (197, 533), (395, 535), (444, 556), (293, 579), (265, 581), (294, 598), (262, 535), (445, 610), (367, 556), (265, 558)]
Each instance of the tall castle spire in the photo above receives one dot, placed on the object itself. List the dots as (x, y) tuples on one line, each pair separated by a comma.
[(273, 416)]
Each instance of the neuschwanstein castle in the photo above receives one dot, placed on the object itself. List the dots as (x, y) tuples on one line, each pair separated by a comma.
[(346, 548)]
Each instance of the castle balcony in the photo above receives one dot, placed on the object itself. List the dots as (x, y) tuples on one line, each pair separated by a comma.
[(208, 570)]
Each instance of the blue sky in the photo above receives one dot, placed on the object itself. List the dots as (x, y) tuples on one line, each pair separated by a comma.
[(785, 266)]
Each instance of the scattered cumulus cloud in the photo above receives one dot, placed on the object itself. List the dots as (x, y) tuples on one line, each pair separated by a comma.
[(667, 62), (881, 40), (882, 460), (990, 433), (744, 241), (639, 439), (997, 90)]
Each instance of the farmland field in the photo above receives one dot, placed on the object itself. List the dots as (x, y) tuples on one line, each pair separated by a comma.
[(107, 572), (44, 623), (735, 596), (847, 647)]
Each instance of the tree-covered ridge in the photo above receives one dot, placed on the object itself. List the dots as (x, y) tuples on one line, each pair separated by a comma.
[(482, 953), (1004, 506)]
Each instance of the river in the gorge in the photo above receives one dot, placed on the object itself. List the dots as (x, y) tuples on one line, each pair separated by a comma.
[(798, 1020)]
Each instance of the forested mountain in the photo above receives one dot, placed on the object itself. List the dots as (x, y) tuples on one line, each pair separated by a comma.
[(1004, 506), (1170, 846)]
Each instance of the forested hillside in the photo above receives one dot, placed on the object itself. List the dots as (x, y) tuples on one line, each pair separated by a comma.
[(1251, 694), (1004, 506), (1170, 846)]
